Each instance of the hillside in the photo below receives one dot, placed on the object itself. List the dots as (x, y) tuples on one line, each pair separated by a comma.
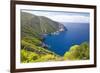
[(32, 29), (36, 26)]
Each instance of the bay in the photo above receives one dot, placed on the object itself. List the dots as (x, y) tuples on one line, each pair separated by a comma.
[(76, 34)]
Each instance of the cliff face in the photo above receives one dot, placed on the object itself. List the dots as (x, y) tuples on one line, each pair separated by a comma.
[(32, 25)]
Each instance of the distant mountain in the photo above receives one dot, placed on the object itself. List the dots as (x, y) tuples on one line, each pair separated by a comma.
[(32, 25)]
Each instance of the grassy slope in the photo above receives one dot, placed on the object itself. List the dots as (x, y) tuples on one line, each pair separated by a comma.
[(32, 52), (33, 25)]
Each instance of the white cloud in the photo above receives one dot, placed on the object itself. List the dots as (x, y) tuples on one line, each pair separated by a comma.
[(63, 17), (71, 18)]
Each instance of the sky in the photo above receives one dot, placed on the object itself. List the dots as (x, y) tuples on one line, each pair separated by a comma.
[(62, 16)]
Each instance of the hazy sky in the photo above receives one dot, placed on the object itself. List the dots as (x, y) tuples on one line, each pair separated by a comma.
[(59, 16)]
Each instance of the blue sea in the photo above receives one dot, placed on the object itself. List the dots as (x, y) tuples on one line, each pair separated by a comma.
[(76, 34)]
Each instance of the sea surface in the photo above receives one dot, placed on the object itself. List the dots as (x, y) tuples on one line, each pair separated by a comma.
[(76, 34)]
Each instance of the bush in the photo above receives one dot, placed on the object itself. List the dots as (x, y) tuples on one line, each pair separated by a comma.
[(73, 53), (85, 50), (27, 56), (78, 52)]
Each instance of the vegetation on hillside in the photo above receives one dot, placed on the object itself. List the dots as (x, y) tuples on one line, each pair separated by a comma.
[(34, 53), (78, 52), (32, 25)]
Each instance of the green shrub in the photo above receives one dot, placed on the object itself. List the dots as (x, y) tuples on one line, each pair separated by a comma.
[(78, 52), (73, 53), (27, 56)]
